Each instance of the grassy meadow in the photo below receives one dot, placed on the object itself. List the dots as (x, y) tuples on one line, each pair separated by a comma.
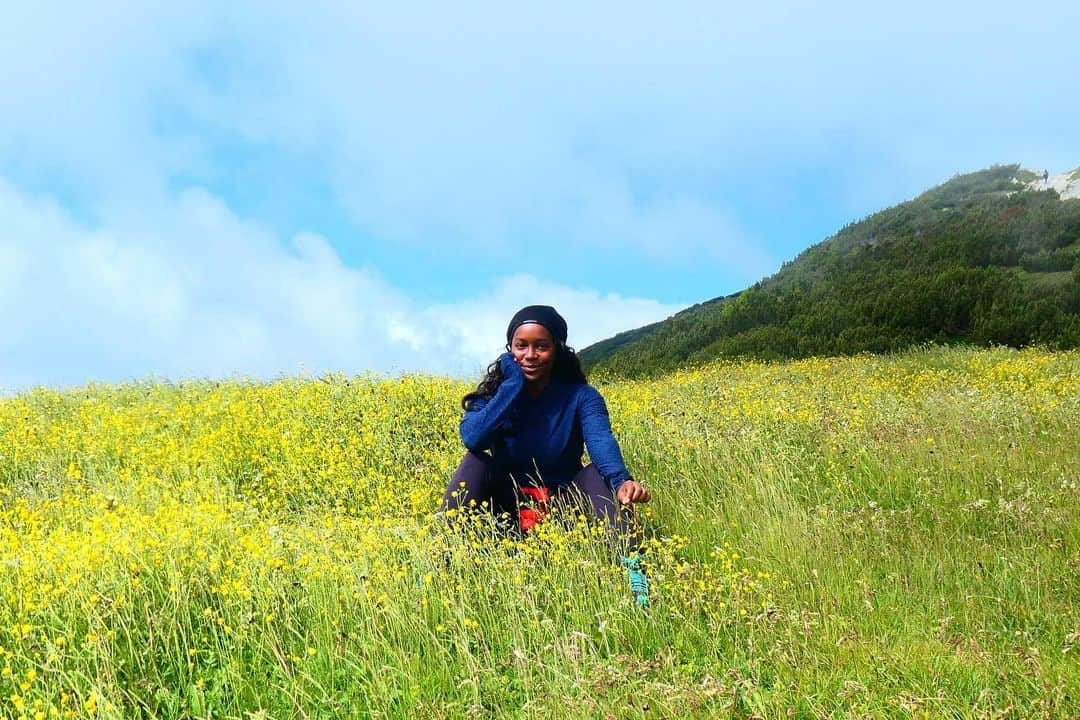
[(858, 537)]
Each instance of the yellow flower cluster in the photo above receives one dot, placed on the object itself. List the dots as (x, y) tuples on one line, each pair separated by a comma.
[(162, 533)]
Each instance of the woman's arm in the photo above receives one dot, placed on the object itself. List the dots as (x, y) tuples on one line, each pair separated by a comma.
[(484, 418), (599, 440)]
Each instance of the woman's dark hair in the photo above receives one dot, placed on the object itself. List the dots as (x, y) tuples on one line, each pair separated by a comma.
[(567, 368)]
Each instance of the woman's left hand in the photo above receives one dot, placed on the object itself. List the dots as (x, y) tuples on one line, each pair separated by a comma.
[(632, 491)]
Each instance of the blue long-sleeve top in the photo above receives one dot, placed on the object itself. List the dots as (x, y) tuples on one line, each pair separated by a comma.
[(546, 435)]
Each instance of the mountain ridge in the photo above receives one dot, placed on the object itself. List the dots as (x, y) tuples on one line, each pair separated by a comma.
[(990, 257)]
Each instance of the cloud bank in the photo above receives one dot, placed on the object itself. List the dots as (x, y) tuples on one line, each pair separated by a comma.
[(207, 188), (215, 295)]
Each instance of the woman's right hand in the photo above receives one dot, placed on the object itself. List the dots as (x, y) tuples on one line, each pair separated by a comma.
[(509, 365)]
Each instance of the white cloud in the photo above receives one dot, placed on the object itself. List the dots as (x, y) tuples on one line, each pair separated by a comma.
[(518, 134), (593, 125), (478, 324), (477, 136), (207, 293)]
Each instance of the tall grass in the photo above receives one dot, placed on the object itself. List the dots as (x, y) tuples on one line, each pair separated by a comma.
[(864, 537)]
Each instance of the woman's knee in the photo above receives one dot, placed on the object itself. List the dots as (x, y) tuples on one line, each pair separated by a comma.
[(591, 472), (593, 486), (474, 462), (470, 479), (592, 482)]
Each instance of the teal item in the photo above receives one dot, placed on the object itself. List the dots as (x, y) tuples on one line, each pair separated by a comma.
[(639, 583)]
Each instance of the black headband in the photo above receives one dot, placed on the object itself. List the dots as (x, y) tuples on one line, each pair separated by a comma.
[(544, 315)]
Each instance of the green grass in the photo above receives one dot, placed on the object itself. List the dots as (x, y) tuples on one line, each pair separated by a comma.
[(863, 537)]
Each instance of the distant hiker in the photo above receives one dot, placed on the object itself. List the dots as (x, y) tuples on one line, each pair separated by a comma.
[(1046, 176), (525, 428)]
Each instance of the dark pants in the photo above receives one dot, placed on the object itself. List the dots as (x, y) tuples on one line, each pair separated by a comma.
[(478, 478)]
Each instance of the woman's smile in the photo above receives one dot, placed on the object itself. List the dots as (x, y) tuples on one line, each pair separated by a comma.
[(533, 349)]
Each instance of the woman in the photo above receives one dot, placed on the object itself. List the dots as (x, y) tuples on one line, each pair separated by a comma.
[(527, 425)]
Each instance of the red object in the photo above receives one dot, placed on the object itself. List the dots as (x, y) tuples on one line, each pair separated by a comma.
[(528, 517)]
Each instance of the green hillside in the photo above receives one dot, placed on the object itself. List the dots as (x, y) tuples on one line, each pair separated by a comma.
[(980, 259)]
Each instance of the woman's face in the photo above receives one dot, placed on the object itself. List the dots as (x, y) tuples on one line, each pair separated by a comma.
[(533, 349)]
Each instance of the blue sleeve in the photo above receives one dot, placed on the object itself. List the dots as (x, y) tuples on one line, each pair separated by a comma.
[(484, 418), (599, 440)]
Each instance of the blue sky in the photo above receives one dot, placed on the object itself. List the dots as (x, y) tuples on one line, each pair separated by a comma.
[(203, 189)]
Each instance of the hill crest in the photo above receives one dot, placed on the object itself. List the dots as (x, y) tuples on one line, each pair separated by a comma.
[(1066, 184), (975, 259)]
